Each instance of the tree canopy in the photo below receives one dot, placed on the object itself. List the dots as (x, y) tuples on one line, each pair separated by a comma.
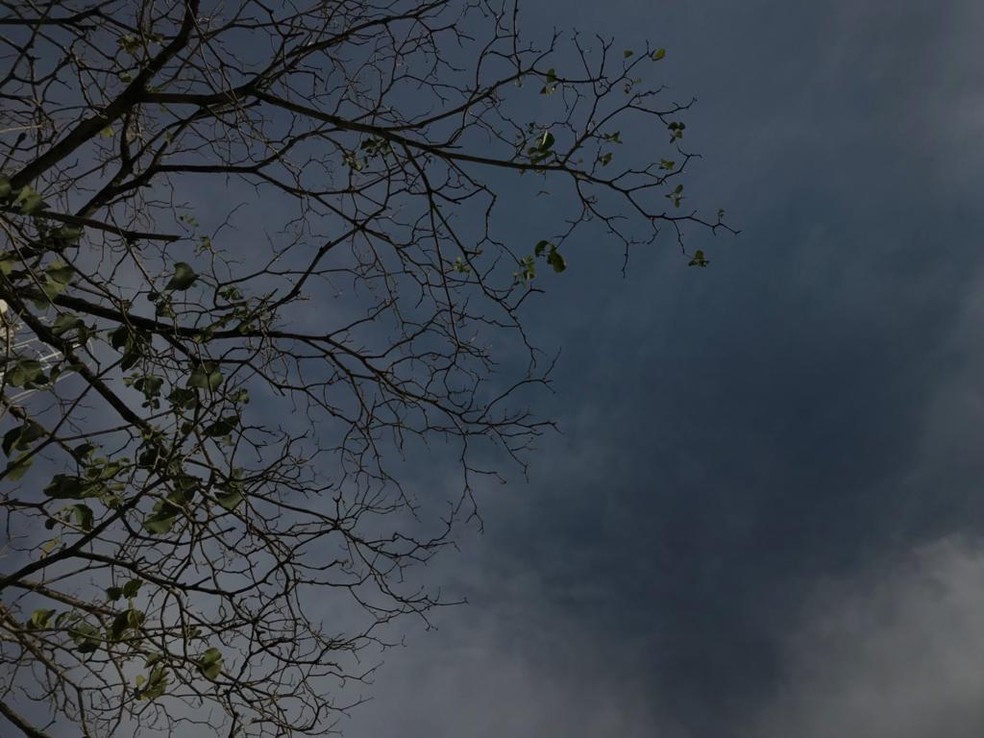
[(257, 258)]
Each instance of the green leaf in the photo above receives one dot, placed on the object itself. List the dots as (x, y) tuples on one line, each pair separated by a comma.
[(40, 618), (628, 54), (210, 664), (160, 522), (119, 626), (86, 637), (164, 308), (212, 671), (29, 201), (183, 399), (699, 259), (130, 619), (5, 189), (30, 432), (114, 593), (147, 458), (83, 452), (540, 247), (527, 269), (68, 234), (186, 483), (149, 384), (128, 43), (556, 260), (119, 337), (134, 618), (222, 427), (51, 290), (83, 515), (64, 323), (676, 196), (205, 376), (658, 54), (18, 468), (102, 469), (130, 342), (184, 277), (131, 588), (65, 487), (131, 357), (27, 373), (676, 129), (21, 438), (551, 82), (198, 377), (60, 272), (156, 683), (229, 499)]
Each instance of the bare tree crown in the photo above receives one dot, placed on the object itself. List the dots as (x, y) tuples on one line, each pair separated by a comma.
[(264, 253)]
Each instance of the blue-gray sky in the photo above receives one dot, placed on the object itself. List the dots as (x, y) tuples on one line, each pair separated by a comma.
[(762, 517)]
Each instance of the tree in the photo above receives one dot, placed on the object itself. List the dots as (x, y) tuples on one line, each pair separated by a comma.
[(263, 250)]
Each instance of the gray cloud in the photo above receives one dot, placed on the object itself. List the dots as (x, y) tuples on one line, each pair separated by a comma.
[(891, 651), (895, 652), (475, 678)]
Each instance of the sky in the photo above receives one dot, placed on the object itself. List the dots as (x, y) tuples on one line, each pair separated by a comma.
[(762, 516)]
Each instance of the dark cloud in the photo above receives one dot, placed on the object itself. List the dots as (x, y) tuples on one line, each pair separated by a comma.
[(735, 437)]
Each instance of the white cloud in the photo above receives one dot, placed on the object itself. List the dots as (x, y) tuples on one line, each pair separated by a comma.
[(895, 653)]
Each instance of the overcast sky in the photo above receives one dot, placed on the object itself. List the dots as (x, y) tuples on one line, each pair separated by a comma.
[(762, 518)]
